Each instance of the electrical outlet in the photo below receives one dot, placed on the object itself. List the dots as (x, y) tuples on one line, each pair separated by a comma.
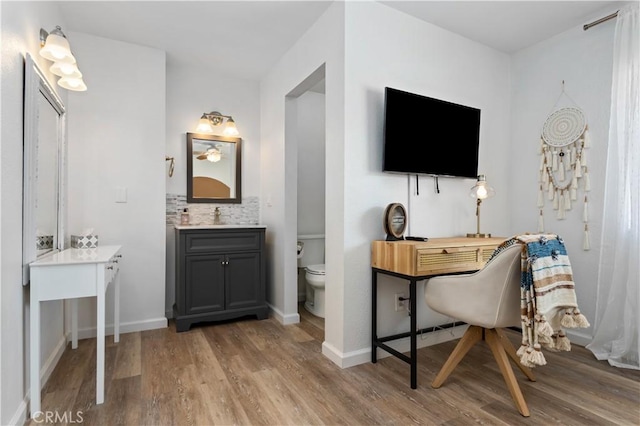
[(399, 304)]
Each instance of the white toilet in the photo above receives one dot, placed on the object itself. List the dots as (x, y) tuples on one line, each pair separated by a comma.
[(315, 289), (311, 258)]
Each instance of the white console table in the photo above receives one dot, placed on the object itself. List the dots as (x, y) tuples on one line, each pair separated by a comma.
[(72, 274)]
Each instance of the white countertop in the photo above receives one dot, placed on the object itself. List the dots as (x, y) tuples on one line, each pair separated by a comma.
[(100, 254), (203, 226)]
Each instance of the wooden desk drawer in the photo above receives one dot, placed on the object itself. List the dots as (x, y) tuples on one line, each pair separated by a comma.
[(445, 260)]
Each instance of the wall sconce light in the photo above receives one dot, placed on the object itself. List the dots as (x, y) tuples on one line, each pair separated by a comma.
[(480, 191), (211, 119), (55, 48)]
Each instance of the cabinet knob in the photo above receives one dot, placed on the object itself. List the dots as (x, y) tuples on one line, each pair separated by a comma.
[(109, 267)]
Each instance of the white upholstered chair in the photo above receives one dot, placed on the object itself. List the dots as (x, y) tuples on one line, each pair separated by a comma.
[(488, 300)]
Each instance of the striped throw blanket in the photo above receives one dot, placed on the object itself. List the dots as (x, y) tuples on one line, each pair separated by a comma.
[(547, 296)]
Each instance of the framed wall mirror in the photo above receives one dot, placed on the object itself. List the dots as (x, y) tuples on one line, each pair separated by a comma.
[(43, 165), (214, 169)]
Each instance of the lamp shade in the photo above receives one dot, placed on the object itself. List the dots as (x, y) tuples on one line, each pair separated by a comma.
[(230, 129), (64, 69), (481, 190), (204, 126), (57, 49), (75, 84)]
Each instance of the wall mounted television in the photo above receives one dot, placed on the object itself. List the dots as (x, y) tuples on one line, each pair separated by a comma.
[(428, 136)]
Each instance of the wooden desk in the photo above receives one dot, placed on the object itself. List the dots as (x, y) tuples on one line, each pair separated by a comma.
[(415, 261), (72, 274)]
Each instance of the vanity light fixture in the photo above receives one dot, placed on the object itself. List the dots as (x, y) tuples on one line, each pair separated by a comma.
[(55, 48), (214, 118), (480, 191)]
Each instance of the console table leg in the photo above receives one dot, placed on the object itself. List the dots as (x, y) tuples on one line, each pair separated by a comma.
[(100, 347), (34, 355), (116, 308), (74, 323)]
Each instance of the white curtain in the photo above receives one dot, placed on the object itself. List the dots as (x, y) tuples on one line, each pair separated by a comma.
[(617, 318)]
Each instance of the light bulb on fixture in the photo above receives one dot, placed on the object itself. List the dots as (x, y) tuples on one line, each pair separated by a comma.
[(230, 129), (64, 69), (55, 46), (204, 126), (75, 84)]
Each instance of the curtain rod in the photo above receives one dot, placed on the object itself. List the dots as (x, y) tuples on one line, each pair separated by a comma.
[(585, 27)]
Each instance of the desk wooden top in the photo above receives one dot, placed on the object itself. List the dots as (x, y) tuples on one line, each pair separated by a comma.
[(433, 257)]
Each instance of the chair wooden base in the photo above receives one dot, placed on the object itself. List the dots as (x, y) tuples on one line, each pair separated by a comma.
[(502, 350)]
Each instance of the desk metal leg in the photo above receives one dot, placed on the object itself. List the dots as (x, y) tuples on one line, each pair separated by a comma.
[(414, 329), (374, 316)]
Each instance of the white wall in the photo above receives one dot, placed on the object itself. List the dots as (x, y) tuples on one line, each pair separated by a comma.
[(583, 59), (117, 140), (21, 23), (321, 45), (385, 47), (310, 125), (311, 163)]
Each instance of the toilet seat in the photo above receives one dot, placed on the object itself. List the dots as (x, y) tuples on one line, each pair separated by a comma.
[(315, 269)]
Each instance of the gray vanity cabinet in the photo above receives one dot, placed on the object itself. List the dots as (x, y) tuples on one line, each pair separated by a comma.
[(220, 275)]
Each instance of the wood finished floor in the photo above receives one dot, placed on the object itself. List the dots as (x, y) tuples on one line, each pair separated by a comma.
[(254, 372)]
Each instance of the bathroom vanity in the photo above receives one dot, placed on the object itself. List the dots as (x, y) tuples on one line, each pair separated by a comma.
[(220, 273)]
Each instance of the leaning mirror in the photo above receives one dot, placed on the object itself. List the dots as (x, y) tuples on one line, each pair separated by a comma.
[(213, 169), (44, 136)]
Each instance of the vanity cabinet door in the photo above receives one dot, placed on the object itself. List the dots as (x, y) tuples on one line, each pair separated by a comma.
[(205, 275), (243, 283)]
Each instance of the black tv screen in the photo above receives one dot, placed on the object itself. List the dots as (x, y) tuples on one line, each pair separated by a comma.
[(429, 136)]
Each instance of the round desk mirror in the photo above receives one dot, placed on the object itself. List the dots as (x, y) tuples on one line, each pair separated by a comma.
[(395, 221)]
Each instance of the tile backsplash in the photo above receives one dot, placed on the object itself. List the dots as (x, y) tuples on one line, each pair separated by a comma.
[(245, 213)]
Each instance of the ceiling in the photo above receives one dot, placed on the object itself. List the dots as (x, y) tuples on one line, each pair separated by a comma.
[(246, 38)]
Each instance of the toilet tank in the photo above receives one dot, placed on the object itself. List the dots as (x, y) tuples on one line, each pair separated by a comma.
[(313, 250)]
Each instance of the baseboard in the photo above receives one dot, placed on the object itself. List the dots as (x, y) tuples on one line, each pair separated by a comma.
[(125, 327), (51, 362), (362, 356), (343, 360), (581, 339), (20, 416), (281, 317)]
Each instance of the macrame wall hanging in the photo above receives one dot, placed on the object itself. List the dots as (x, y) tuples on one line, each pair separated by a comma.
[(563, 164)]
